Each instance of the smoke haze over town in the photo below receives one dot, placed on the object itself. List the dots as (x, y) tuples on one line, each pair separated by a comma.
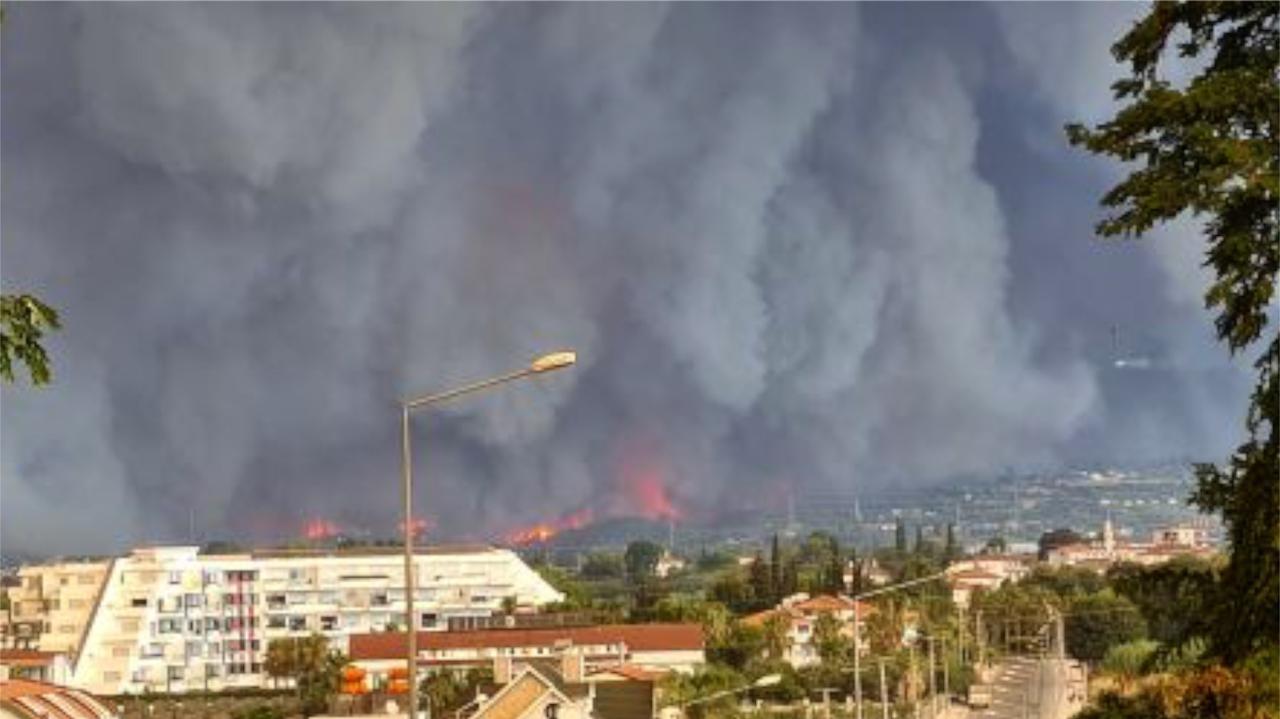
[(795, 246)]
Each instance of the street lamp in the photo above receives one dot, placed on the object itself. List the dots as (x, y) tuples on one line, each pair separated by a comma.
[(540, 365)]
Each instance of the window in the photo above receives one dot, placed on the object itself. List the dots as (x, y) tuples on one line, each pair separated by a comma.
[(428, 620), (175, 673), (192, 600), (211, 671), (175, 577), (212, 624), (298, 624), (276, 601), (169, 626), (329, 623), (379, 599), (153, 650), (193, 650), (276, 621), (120, 651), (195, 626), (63, 581), (142, 602)]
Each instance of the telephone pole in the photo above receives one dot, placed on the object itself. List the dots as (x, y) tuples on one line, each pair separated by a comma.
[(884, 693)]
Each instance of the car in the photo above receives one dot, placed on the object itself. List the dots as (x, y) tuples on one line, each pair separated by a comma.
[(979, 696)]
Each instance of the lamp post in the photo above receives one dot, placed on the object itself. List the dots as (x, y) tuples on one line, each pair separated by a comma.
[(545, 363)]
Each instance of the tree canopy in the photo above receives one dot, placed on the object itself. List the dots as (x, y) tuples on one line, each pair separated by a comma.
[(24, 320), (1208, 149)]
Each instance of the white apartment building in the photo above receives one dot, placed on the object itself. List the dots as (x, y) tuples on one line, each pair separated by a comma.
[(170, 619)]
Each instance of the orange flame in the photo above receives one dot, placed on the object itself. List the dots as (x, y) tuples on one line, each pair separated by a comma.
[(544, 531), (317, 529)]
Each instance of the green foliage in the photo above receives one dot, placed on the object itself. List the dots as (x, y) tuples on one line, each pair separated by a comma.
[(602, 565), (714, 561), (1066, 582), (24, 319), (899, 536), (1097, 622), (641, 559), (1245, 691), (258, 711), (734, 644), (1209, 149), (575, 595), (1130, 660), (831, 645), (677, 688), (446, 691), (1173, 597), (313, 667)]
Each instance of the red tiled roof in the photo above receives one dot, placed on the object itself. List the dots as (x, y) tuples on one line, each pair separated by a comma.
[(637, 637), (825, 603), (26, 657), (29, 698)]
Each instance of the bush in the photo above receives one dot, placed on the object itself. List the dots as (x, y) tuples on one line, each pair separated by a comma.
[(259, 711)]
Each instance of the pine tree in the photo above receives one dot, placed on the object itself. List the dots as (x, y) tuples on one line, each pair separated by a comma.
[(952, 550), (900, 536)]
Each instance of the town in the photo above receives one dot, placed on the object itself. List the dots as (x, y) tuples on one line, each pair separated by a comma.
[(911, 629)]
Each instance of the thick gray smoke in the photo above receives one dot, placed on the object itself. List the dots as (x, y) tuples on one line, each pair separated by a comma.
[(815, 246)]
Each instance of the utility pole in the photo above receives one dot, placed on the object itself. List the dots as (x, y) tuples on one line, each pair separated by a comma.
[(884, 693), (933, 679), (857, 657), (946, 671)]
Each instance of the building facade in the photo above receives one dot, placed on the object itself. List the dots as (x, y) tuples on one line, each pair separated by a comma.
[(170, 619), (799, 615), (50, 605), (648, 647)]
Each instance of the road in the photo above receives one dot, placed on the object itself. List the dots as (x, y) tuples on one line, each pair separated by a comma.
[(1030, 688)]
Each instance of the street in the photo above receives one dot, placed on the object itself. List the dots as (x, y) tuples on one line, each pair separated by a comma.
[(1031, 688)]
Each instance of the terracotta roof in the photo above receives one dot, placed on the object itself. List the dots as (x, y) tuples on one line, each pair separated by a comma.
[(637, 637), (825, 603), (28, 698), (26, 657)]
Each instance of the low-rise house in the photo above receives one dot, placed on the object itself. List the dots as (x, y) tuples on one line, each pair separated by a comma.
[(561, 688), (800, 614), (983, 572), (652, 647)]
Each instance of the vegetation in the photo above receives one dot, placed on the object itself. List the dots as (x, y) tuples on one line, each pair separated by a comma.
[(24, 320), (447, 691), (312, 667), (1208, 149)]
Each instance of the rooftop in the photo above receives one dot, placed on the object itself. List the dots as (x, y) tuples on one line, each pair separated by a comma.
[(637, 637)]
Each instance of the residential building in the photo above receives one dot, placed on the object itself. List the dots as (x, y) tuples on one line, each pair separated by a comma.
[(561, 688), (985, 572), (800, 614), (652, 647), (51, 603), (170, 619)]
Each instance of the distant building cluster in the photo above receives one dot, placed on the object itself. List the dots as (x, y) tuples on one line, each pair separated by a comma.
[(1166, 543)]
